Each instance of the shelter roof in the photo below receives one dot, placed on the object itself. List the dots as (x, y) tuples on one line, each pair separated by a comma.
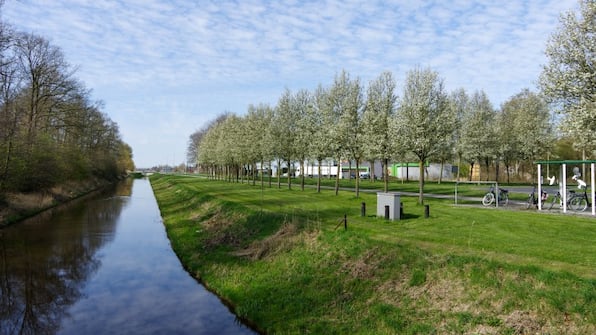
[(566, 162)]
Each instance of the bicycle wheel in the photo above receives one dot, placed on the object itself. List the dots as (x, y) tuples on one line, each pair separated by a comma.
[(570, 203), (488, 199), (555, 200), (578, 204), (504, 199), (530, 201)]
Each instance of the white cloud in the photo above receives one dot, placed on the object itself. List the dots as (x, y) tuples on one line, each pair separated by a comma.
[(173, 60)]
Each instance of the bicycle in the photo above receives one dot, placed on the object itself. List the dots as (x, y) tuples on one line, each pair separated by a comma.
[(575, 201), (579, 201), (533, 199), (489, 197), (558, 199)]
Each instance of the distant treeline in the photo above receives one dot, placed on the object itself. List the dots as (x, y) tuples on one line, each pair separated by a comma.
[(50, 130)]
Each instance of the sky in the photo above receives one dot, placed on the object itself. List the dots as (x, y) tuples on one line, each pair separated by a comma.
[(165, 68)]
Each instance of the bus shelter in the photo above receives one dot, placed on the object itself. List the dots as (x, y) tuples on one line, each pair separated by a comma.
[(564, 164)]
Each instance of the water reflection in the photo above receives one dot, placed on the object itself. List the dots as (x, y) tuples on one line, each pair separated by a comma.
[(103, 265), (45, 260)]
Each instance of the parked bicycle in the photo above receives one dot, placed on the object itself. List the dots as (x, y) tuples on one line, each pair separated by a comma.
[(533, 198), (575, 201), (580, 201), (489, 197), (557, 199)]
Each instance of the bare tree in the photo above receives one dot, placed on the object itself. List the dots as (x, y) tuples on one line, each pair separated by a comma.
[(47, 76), (50, 131), (10, 86)]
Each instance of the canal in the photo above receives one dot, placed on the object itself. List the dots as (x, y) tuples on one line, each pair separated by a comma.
[(103, 265)]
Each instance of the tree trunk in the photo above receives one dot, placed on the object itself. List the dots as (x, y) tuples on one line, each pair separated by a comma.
[(421, 183), (302, 174), (372, 170), (9, 151), (458, 166), (4, 175), (262, 174), (278, 173), (583, 164), (523, 171), (319, 177), (357, 178), (385, 175), (289, 176), (350, 170), (441, 171), (270, 173), (337, 176)]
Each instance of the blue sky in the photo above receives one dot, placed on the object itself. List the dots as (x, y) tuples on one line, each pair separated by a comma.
[(165, 68)]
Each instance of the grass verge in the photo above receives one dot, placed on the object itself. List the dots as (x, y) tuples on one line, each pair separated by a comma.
[(284, 261), (15, 207)]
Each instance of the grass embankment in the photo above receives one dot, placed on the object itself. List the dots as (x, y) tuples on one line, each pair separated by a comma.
[(283, 259), (15, 207)]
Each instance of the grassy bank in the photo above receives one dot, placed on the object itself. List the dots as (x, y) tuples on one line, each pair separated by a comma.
[(15, 207), (283, 259)]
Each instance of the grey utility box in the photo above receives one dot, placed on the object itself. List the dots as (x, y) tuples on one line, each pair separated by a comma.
[(388, 199)]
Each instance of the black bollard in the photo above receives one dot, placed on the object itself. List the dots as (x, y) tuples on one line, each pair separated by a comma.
[(345, 222), (426, 211), (386, 212), (363, 209), (401, 210)]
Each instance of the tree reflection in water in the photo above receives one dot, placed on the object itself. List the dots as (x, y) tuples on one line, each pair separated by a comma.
[(46, 261)]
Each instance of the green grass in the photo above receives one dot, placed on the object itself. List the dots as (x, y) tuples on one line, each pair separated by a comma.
[(283, 259), (447, 188)]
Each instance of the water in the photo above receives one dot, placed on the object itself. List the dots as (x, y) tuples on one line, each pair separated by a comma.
[(103, 266)]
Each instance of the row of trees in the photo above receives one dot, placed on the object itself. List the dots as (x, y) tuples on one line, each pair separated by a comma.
[(50, 130), (341, 122)]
